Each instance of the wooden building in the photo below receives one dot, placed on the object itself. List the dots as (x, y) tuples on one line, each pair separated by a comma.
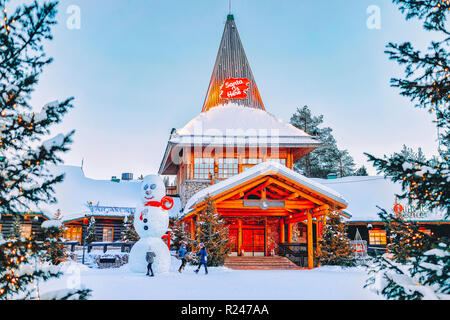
[(242, 156), (365, 194), (30, 225)]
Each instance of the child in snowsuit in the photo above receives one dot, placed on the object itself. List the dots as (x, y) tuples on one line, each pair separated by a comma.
[(149, 256), (182, 254), (203, 258)]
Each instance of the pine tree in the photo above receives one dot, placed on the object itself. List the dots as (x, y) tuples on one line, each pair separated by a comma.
[(91, 234), (25, 180), (16, 230), (179, 233), (412, 273), (362, 171), (410, 154), (129, 234), (416, 266), (327, 158), (334, 245), (342, 161), (211, 231), (55, 250)]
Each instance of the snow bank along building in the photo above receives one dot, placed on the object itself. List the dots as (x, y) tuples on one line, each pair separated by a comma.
[(241, 156)]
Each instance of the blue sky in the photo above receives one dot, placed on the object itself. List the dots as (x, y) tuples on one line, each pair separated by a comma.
[(139, 68)]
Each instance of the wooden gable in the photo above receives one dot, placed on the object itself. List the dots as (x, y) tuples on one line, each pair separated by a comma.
[(271, 194)]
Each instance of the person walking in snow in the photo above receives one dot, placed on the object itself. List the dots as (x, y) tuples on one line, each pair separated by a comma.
[(203, 258), (182, 254), (149, 256)]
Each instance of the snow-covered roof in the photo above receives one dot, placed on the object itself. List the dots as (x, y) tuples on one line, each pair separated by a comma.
[(235, 124), (265, 168), (107, 198), (365, 193)]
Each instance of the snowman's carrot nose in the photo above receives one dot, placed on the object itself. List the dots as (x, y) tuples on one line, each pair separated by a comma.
[(142, 216)]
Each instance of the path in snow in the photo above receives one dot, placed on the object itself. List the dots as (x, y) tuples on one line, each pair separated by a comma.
[(221, 283)]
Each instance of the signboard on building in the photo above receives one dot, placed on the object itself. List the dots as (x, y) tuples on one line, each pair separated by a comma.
[(411, 211), (98, 209), (234, 88)]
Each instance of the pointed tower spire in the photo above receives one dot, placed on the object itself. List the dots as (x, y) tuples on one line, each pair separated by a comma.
[(232, 79)]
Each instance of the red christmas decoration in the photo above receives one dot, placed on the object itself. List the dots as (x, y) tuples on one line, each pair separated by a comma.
[(166, 203), (398, 208), (234, 88)]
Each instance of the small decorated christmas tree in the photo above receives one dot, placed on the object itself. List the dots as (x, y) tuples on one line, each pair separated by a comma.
[(211, 231), (129, 234), (405, 238), (55, 250), (16, 230), (179, 233), (334, 245), (91, 235), (416, 266)]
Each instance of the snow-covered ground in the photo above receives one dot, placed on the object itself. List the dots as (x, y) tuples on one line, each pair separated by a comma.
[(220, 283)]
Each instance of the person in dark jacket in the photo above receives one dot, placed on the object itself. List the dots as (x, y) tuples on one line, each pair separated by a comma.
[(182, 254), (203, 258), (149, 256)]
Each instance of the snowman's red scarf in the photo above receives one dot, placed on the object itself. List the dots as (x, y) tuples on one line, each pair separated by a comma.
[(153, 204)]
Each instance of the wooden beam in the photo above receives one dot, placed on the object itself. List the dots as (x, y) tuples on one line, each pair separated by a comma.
[(289, 235), (239, 239), (265, 236), (303, 194), (299, 218), (300, 205), (293, 196), (229, 194), (192, 229), (288, 204), (252, 213), (240, 188), (324, 207), (334, 202), (310, 241)]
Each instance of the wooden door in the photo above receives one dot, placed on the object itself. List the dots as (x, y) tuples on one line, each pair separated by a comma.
[(258, 240), (252, 240)]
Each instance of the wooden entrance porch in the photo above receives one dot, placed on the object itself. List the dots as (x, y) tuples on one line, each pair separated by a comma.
[(269, 210)]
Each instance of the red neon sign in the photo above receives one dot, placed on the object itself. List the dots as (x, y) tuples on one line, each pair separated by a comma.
[(234, 88)]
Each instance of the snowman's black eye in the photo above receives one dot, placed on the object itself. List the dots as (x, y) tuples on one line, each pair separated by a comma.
[(145, 220), (153, 186), (146, 187), (145, 228)]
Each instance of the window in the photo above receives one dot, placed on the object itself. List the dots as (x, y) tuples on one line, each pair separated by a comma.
[(421, 229), (108, 233), (26, 230), (73, 233), (228, 167), (203, 167), (251, 161), (377, 236)]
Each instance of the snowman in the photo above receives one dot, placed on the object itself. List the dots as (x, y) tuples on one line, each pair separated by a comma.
[(151, 222)]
